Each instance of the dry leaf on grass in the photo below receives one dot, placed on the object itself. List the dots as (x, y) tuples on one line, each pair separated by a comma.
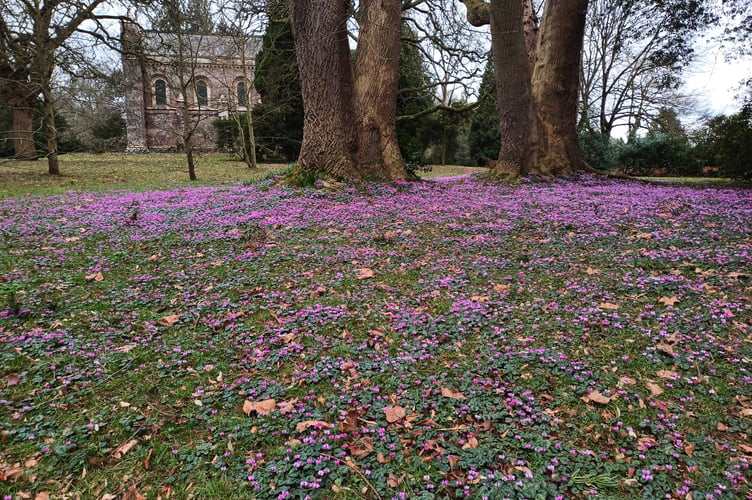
[(596, 397), (170, 320), (655, 389), (394, 413), (319, 424), (448, 393), (668, 301), (260, 407), (364, 273), (124, 448)]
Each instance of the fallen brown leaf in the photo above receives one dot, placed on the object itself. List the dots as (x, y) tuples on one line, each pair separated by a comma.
[(667, 373), (448, 393), (302, 426), (260, 407), (124, 448), (471, 443), (596, 397), (394, 413), (11, 473), (364, 273), (393, 481), (132, 494), (668, 301), (654, 389), (668, 349), (170, 320)]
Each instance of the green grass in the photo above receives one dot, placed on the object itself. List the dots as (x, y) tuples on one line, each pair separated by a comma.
[(125, 171), (95, 172)]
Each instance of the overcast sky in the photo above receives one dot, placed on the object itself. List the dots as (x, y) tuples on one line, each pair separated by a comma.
[(715, 82)]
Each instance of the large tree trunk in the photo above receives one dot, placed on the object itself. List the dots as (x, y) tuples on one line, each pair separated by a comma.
[(512, 70), (23, 130), (538, 109), (329, 126), (376, 86), (555, 84)]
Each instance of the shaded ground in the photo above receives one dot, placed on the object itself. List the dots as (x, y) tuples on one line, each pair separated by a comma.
[(441, 340)]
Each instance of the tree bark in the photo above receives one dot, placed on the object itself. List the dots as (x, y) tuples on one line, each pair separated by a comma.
[(376, 87), (53, 165), (538, 106), (329, 128), (23, 130), (555, 84), (512, 71)]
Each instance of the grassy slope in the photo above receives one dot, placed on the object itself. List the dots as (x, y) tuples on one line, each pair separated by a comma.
[(416, 341)]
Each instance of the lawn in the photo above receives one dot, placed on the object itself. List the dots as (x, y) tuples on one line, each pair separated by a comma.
[(444, 339), (143, 172)]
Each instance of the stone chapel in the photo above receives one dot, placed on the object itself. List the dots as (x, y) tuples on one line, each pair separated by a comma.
[(217, 71)]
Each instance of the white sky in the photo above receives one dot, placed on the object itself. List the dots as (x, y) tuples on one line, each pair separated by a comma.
[(714, 82)]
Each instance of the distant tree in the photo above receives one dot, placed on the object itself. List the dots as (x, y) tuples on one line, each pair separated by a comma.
[(484, 139), (633, 56), (726, 142), (665, 148), (414, 97), (35, 38), (93, 106), (187, 16), (278, 118), (667, 122)]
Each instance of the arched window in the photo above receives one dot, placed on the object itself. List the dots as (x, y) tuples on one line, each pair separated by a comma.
[(242, 94), (160, 92), (202, 93)]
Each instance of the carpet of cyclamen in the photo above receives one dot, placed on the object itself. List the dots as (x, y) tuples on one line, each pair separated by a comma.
[(433, 340)]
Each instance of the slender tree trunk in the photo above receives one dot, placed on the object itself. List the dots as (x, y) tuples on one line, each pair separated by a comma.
[(188, 134), (512, 69), (251, 160), (376, 87), (329, 127), (53, 166), (23, 130), (555, 84), (185, 109)]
